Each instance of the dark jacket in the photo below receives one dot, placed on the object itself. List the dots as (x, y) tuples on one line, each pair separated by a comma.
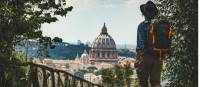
[(142, 42)]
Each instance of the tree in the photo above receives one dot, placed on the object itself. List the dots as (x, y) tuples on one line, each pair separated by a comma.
[(108, 77), (98, 72), (47, 43), (128, 71), (118, 76), (119, 72), (22, 19), (182, 65), (57, 40), (80, 73), (91, 69)]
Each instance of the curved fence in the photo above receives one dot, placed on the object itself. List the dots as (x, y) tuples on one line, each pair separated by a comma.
[(43, 76)]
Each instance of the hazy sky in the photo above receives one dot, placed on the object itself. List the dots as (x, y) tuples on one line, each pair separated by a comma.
[(85, 21)]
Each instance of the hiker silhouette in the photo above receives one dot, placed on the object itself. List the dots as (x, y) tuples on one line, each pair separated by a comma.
[(153, 42)]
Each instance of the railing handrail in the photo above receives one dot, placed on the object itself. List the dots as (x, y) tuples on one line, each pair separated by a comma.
[(58, 70), (48, 68)]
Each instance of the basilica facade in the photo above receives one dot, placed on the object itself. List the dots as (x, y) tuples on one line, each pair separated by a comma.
[(103, 48)]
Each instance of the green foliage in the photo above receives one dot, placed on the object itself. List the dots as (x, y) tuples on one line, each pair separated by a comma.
[(47, 43), (20, 20), (108, 77), (136, 82), (57, 39), (128, 71), (118, 76), (68, 51), (182, 64), (10, 73), (91, 69), (80, 73), (98, 72)]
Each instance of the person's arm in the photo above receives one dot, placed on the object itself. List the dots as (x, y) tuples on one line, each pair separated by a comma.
[(140, 40), (140, 45)]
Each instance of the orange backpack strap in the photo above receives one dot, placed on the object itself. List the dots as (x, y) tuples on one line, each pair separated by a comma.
[(152, 36), (160, 52), (170, 33)]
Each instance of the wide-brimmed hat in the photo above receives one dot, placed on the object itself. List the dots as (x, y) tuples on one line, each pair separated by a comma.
[(150, 8)]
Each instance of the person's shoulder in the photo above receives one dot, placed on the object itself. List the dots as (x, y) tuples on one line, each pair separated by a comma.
[(142, 23)]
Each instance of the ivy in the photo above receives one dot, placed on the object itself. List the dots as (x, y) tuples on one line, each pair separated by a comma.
[(182, 64)]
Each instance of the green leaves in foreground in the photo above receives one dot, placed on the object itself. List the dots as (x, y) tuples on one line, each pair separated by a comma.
[(182, 64), (118, 76), (22, 20)]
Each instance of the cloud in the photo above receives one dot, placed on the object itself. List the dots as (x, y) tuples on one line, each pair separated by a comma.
[(96, 3), (122, 17), (82, 4), (104, 3), (135, 2)]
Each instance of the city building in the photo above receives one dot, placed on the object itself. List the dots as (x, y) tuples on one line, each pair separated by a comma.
[(103, 54), (103, 48), (84, 58), (92, 78)]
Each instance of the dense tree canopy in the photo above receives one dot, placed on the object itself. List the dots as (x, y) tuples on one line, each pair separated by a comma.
[(182, 64), (20, 20), (117, 76)]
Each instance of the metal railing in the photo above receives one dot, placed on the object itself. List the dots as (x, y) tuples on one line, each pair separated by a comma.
[(45, 76)]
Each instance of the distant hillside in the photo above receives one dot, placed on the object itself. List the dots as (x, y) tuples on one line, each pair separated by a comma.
[(66, 50)]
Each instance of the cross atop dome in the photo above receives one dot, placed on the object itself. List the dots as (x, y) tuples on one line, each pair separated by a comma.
[(104, 29)]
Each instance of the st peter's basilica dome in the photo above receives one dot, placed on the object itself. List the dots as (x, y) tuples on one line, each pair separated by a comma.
[(103, 48), (104, 40)]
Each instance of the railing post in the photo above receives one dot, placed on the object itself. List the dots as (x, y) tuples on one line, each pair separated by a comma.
[(44, 82), (73, 82), (59, 82), (34, 75), (81, 83), (52, 78), (66, 80), (69, 79), (92, 85)]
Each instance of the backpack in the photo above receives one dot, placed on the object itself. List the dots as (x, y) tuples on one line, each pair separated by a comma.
[(159, 36)]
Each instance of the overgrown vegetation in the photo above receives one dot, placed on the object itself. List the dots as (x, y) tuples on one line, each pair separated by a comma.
[(21, 20), (182, 64), (118, 76)]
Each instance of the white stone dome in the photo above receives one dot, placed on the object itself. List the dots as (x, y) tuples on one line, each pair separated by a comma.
[(104, 40), (85, 54), (103, 48)]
